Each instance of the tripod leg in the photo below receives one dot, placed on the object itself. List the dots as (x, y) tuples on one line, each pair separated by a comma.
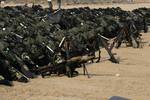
[(99, 56), (85, 69), (112, 58), (112, 45)]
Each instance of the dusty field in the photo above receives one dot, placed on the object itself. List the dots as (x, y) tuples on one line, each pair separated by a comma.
[(123, 6), (133, 80)]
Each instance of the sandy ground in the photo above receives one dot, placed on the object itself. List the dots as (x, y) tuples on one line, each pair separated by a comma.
[(124, 6), (129, 79)]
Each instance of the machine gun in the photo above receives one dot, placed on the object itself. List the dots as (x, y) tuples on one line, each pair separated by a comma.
[(67, 66)]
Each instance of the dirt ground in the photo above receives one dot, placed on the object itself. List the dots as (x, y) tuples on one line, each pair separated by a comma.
[(129, 79), (124, 6)]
